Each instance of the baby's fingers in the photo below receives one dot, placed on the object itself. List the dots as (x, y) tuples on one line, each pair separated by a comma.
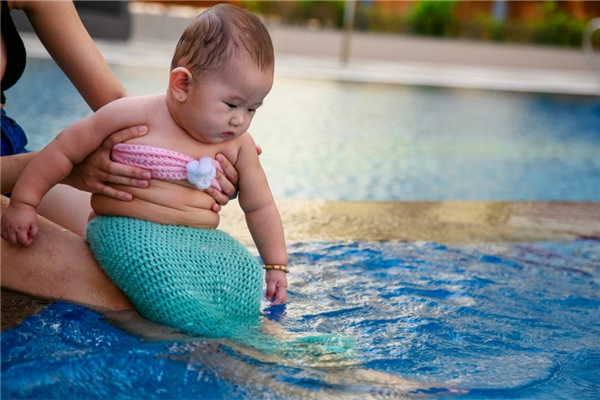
[(29, 235), (276, 287), (22, 237), (270, 294), (10, 237), (280, 296)]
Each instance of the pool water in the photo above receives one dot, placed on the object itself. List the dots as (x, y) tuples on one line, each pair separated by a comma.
[(332, 140), (501, 320)]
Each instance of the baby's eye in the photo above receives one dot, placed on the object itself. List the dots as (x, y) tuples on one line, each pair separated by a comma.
[(231, 105), (252, 110)]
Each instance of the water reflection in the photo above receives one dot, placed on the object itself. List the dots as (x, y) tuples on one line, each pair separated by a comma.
[(332, 140)]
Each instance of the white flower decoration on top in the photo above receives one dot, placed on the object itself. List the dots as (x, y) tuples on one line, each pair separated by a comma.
[(201, 172)]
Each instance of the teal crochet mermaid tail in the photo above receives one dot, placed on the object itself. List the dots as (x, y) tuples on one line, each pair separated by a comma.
[(201, 281)]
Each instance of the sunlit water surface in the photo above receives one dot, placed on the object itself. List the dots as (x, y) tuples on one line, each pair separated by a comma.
[(503, 321), (328, 140)]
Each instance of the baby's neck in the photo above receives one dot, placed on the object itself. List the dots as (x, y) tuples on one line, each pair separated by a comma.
[(173, 106)]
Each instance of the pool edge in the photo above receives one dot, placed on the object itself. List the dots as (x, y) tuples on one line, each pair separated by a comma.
[(448, 222)]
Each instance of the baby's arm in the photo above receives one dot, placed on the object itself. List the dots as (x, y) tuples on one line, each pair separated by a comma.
[(262, 217), (55, 162)]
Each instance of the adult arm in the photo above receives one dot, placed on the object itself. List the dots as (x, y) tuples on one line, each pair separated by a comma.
[(72, 48), (62, 33), (58, 265), (81, 177), (59, 28), (11, 168), (55, 162)]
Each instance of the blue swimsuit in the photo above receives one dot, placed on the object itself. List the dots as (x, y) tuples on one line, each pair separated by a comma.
[(13, 137)]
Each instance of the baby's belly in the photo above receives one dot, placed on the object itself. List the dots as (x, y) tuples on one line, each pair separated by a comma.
[(162, 202)]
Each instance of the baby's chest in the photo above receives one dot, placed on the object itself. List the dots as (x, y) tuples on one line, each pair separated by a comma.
[(186, 145)]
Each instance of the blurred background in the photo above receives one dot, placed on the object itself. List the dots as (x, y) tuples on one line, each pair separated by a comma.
[(543, 22), (452, 105), (559, 23), (381, 100), (539, 35), (449, 32)]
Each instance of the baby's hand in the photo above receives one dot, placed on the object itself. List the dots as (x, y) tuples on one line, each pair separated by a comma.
[(19, 224), (276, 286)]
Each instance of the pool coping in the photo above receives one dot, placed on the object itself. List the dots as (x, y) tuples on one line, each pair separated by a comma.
[(447, 222)]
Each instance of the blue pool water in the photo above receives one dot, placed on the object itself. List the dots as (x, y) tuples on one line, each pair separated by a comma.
[(328, 140), (503, 321)]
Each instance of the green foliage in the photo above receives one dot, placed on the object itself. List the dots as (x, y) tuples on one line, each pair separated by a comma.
[(256, 6), (484, 27), (269, 8), (376, 19), (556, 27), (433, 18), (328, 13)]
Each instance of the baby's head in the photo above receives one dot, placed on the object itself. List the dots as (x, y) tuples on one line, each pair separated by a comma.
[(220, 35), (220, 74)]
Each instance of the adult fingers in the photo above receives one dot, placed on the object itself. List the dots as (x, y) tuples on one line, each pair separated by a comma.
[(110, 191), (229, 182), (216, 207), (221, 199), (100, 187), (126, 134), (122, 174)]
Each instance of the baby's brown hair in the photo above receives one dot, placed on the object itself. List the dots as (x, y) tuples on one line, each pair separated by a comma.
[(218, 34)]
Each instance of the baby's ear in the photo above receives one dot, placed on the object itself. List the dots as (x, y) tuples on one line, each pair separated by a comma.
[(179, 83)]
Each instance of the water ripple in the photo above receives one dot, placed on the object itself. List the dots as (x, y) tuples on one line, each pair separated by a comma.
[(504, 321)]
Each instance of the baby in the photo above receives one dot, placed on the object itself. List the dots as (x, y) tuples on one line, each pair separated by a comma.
[(180, 272)]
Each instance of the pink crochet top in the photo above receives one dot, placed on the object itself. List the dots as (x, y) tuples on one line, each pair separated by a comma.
[(169, 164)]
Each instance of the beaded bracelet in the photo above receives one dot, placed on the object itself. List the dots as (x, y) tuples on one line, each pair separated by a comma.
[(276, 268)]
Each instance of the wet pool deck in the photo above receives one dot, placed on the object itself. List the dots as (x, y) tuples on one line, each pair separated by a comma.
[(386, 59)]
